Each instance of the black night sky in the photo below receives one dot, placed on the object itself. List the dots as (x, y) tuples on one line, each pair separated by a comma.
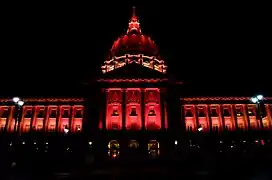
[(217, 49)]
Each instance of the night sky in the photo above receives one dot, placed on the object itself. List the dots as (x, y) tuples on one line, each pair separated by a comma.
[(217, 49)]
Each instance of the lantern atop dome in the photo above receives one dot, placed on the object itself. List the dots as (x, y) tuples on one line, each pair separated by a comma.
[(134, 24)]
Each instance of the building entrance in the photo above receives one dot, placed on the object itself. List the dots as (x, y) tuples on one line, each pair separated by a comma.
[(113, 149), (153, 148)]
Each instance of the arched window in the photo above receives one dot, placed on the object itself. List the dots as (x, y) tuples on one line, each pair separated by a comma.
[(133, 144)]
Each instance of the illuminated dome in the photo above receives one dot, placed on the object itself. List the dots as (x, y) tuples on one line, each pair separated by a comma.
[(134, 47), (134, 43)]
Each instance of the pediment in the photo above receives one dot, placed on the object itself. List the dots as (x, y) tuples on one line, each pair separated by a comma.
[(135, 71)]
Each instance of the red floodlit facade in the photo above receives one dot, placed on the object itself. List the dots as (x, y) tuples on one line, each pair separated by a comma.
[(134, 96), (133, 109), (46, 116), (225, 113)]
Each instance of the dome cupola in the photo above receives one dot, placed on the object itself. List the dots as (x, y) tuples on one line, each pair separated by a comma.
[(135, 47)]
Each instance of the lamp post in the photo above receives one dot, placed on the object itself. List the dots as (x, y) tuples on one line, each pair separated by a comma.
[(258, 100), (17, 116), (66, 131), (199, 128), (18, 102)]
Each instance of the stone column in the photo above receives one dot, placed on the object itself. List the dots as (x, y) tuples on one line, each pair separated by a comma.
[(46, 119), (104, 108), (162, 102), (9, 119), (195, 111), (143, 108), (221, 117), (209, 117), (246, 116), (124, 104), (268, 115), (71, 118), (234, 116), (34, 114)]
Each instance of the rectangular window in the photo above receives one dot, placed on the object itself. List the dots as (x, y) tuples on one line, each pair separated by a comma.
[(65, 113), (133, 111), (53, 113), (227, 127), (188, 113), (189, 128), (215, 128), (5, 113), (40, 113), (214, 113), (241, 126), (28, 114), (78, 113), (78, 128), (226, 112), (115, 111), (151, 111), (2, 127), (52, 128), (201, 112), (39, 128), (27, 127)]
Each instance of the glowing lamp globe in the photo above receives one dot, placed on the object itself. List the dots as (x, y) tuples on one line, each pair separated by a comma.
[(20, 103), (15, 99), (260, 97)]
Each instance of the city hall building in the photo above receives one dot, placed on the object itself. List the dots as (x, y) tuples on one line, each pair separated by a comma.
[(134, 102)]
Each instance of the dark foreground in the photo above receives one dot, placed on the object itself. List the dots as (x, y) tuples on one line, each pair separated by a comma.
[(196, 168)]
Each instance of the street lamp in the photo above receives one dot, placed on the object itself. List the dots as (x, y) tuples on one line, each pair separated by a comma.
[(200, 128), (18, 106), (66, 131), (258, 100), (15, 99)]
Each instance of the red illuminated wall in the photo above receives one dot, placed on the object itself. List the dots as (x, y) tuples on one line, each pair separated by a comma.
[(26, 119), (133, 109), (152, 109), (43, 118), (165, 116), (114, 109), (64, 118), (219, 117), (77, 118), (190, 117), (203, 121), (215, 117), (228, 115)]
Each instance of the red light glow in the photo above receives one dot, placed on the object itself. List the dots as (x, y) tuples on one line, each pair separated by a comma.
[(134, 47)]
